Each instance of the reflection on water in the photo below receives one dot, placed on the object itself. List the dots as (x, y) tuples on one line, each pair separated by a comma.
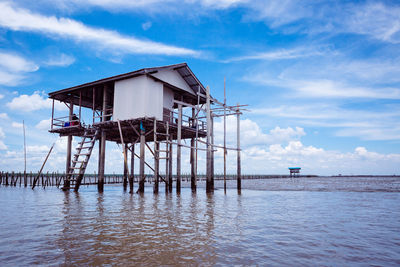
[(50, 227)]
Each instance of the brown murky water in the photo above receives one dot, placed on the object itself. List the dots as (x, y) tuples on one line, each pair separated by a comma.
[(297, 223)]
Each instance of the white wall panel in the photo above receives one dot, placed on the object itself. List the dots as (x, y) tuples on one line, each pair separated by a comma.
[(138, 97)]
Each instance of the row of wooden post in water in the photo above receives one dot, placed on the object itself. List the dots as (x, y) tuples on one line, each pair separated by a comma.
[(57, 179)]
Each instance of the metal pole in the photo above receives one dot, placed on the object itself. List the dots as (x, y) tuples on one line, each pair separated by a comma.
[(23, 126)]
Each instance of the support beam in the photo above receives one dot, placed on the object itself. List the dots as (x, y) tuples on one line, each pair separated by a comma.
[(239, 178), (131, 177), (156, 158), (193, 159), (102, 152), (141, 165), (67, 182), (209, 187), (178, 150)]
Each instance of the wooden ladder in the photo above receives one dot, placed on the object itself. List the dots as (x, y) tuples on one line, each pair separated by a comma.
[(81, 159)]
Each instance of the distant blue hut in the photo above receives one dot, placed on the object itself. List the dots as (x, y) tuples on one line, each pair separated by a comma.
[(294, 171)]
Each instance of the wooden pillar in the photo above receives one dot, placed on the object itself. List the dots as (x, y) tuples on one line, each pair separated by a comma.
[(141, 165), (125, 182), (212, 151), (178, 150), (193, 159), (209, 187), (167, 153), (131, 177), (67, 182), (102, 146), (239, 178), (156, 159), (170, 166)]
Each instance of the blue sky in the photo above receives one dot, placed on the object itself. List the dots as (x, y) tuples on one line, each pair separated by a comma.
[(321, 78)]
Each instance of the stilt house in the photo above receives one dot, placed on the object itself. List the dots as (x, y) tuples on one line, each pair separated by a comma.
[(136, 107)]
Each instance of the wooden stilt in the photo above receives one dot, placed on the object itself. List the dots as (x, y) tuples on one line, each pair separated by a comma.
[(131, 177), (239, 178), (209, 188), (156, 158), (125, 182), (102, 159), (212, 151), (167, 155), (178, 150), (141, 165), (170, 167), (67, 182), (193, 159)]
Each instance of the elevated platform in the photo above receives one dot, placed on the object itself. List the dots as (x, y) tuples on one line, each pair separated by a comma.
[(131, 130)]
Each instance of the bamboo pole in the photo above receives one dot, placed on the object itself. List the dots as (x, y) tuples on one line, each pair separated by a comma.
[(225, 151), (41, 169)]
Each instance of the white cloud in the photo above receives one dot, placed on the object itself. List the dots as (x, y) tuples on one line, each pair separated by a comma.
[(4, 116), (19, 19), (44, 124), (147, 25), (28, 103), (252, 134), (15, 63), (13, 68), (1, 96), (61, 60), (375, 19), (363, 124), (36, 101), (2, 136), (17, 125), (299, 52)]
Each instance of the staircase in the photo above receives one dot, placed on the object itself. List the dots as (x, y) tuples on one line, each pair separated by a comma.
[(80, 160)]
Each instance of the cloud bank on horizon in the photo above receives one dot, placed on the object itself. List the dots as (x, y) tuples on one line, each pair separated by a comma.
[(322, 80)]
